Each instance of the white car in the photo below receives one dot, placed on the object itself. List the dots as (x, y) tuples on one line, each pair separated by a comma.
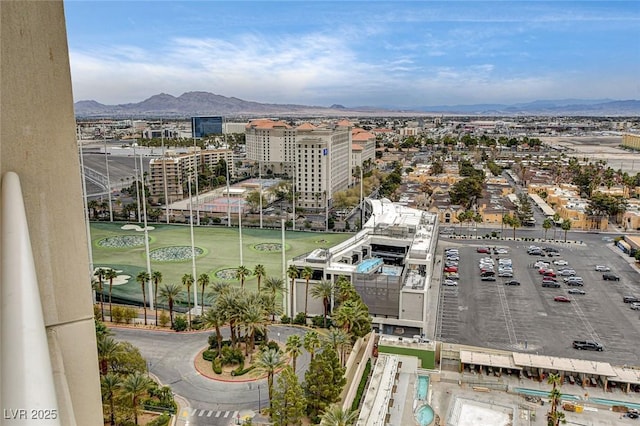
[(507, 274), (576, 291), (560, 262), (450, 283), (602, 268), (567, 272), (635, 306), (501, 251), (540, 264)]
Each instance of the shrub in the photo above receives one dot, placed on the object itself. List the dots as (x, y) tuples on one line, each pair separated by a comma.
[(117, 313), (180, 323), (97, 312), (318, 321), (197, 323), (130, 314), (209, 355), (361, 385), (273, 345), (241, 370), (300, 319), (232, 356), (162, 420), (212, 340), (285, 319), (216, 366), (163, 319)]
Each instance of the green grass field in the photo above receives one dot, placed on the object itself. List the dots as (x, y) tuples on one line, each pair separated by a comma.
[(221, 248)]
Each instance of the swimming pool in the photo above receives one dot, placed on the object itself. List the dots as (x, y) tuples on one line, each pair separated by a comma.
[(423, 388), (368, 265), (544, 394), (613, 402), (424, 415)]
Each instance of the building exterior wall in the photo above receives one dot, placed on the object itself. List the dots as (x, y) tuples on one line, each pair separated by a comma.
[(631, 141), (36, 82)]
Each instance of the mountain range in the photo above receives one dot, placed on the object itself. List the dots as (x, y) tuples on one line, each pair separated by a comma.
[(205, 103)]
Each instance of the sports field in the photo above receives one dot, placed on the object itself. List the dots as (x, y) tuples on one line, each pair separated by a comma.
[(124, 251)]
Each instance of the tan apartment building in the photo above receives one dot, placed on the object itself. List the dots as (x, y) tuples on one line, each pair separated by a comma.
[(631, 141)]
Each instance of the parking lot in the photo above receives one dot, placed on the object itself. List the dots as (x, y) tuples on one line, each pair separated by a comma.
[(526, 317)]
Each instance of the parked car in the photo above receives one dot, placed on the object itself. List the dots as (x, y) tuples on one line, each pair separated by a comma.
[(448, 282), (541, 264), (487, 273), (574, 283), (560, 262), (450, 263), (635, 306), (452, 275), (549, 279), (610, 277), (576, 291), (453, 257), (550, 284), (508, 274), (602, 268), (587, 345), (630, 299), (567, 272), (550, 249), (482, 250), (549, 273), (563, 299), (501, 250), (573, 279), (512, 282), (451, 269), (488, 278)]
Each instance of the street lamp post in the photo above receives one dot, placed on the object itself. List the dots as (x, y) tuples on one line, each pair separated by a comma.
[(259, 400)]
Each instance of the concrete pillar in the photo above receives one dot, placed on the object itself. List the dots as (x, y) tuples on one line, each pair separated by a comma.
[(38, 143)]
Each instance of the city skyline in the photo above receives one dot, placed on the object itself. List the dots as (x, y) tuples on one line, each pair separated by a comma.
[(381, 54)]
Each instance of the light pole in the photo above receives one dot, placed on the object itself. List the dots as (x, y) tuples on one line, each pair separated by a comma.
[(106, 161), (259, 400)]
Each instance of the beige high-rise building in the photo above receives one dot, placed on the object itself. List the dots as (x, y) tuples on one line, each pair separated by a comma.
[(38, 143)]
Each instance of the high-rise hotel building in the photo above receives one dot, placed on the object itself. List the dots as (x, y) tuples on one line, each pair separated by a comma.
[(318, 157)]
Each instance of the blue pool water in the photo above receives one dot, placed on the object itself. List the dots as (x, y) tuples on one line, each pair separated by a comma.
[(423, 388), (424, 415), (612, 402), (545, 394), (368, 265)]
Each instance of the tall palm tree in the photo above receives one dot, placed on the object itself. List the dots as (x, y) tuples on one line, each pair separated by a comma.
[(203, 281), (109, 387), (349, 314), (143, 278), (273, 285), (215, 318), (241, 274), (134, 387), (311, 342), (169, 293), (294, 348), (292, 273), (307, 273), (336, 416), (100, 273), (556, 218), (111, 274), (268, 363), (566, 226), (187, 281), (229, 303), (546, 225), (323, 290), (259, 271), (156, 276), (554, 395)]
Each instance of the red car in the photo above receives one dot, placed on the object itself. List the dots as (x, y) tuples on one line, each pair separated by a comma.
[(562, 299), (451, 269), (482, 250)]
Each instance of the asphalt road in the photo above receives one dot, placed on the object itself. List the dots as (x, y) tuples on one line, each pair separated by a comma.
[(170, 358), (526, 318)]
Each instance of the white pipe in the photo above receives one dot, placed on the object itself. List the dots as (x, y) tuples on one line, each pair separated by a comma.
[(285, 301), (106, 161), (25, 363), (193, 249), (240, 231), (146, 240)]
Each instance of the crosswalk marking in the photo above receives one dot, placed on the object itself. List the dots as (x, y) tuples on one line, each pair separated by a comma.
[(209, 413), (201, 413), (218, 413)]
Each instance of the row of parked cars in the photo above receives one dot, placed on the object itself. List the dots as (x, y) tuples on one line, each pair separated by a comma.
[(451, 276)]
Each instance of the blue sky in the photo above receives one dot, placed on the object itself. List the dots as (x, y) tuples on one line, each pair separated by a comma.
[(374, 53)]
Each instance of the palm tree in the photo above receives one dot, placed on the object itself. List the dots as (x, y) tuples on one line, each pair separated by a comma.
[(229, 304), (100, 273), (187, 281), (349, 314), (556, 218), (108, 350), (259, 271), (323, 290), (253, 318), (134, 387), (307, 273), (156, 276), (547, 224), (268, 363), (142, 278), (566, 226), (554, 396), (311, 342), (292, 273), (273, 285), (339, 340), (336, 416), (203, 281), (111, 274), (241, 274), (109, 387), (294, 348), (215, 318), (169, 293)]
